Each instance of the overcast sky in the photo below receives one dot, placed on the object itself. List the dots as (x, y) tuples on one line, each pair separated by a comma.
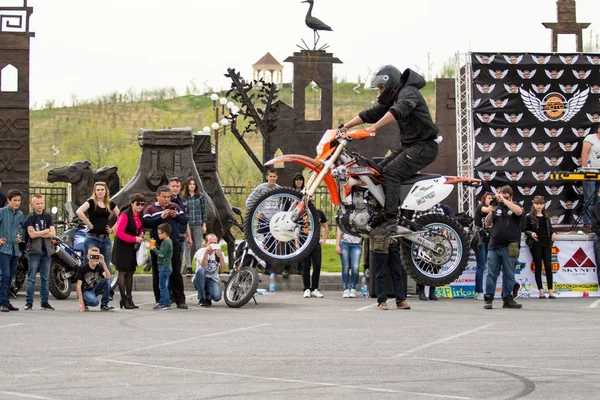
[(93, 47)]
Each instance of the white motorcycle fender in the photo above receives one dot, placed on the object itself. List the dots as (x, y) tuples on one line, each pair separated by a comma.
[(426, 194)]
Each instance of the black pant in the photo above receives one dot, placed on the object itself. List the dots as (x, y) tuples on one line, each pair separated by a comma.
[(125, 283), (314, 257), (391, 261), (175, 280), (400, 166), (541, 253)]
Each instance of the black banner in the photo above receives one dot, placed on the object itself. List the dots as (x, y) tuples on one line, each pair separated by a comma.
[(531, 113)]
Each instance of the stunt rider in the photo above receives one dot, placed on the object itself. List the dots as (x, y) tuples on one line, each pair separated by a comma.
[(400, 100)]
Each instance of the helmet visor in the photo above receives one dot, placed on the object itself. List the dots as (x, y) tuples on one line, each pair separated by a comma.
[(375, 80)]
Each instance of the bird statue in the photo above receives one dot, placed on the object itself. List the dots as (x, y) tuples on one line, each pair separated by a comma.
[(314, 23)]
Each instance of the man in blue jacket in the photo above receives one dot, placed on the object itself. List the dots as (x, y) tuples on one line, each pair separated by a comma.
[(11, 234)]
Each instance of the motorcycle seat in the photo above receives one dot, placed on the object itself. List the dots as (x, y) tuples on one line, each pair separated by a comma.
[(419, 177)]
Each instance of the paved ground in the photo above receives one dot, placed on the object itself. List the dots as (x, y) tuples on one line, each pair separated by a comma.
[(294, 348)]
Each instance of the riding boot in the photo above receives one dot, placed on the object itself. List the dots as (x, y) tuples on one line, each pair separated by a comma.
[(422, 295), (124, 303), (131, 302)]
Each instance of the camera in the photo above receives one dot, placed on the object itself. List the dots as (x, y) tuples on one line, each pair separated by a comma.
[(94, 256), (215, 246), (494, 203), (172, 208)]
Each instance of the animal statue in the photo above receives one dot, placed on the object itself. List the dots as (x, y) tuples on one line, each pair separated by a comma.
[(81, 177), (314, 23)]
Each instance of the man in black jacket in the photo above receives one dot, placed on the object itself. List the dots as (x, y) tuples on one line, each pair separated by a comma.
[(400, 100)]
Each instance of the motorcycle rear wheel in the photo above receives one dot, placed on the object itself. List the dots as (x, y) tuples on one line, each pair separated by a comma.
[(20, 276), (241, 287), (60, 285), (259, 235), (444, 268)]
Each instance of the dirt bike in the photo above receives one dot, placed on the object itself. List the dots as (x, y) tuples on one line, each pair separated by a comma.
[(282, 227), (243, 278)]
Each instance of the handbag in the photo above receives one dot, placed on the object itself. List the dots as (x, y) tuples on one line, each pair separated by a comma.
[(141, 255)]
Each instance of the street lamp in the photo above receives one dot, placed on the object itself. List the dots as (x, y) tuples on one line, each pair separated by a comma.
[(223, 120)]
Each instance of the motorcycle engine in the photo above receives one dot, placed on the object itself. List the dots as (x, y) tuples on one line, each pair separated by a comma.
[(362, 209)]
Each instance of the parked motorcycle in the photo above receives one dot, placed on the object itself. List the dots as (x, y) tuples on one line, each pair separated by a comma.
[(282, 226), (69, 257), (243, 278)]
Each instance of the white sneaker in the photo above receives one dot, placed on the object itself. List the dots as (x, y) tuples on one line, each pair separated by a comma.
[(352, 293), (307, 293), (346, 294), (316, 293)]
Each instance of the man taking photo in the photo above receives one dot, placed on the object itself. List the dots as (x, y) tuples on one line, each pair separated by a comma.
[(503, 249)]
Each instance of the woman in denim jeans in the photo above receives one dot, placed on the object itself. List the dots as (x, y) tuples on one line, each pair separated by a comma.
[(349, 248), (197, 220), (98, 209), (481, 256)]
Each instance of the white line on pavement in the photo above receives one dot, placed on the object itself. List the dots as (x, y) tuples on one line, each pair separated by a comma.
[(443, 340), (266, 378), (486, 364), (152, 302), (367, 307), (594, 304), (188, 339), (11, 325), (29, 396)]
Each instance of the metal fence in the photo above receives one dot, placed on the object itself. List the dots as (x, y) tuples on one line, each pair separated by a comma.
[(53, 196)]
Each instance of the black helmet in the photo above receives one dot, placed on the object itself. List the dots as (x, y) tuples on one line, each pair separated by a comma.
[(388, 77)]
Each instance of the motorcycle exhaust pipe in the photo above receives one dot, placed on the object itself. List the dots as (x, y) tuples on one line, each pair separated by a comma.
[(66, 257)]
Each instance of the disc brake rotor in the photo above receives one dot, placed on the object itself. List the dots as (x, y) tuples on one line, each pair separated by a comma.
[(443, 253)]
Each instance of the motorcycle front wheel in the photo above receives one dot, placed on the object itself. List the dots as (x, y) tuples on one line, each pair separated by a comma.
[(276, 232), (437, 268), (241, 287), (60, 284)]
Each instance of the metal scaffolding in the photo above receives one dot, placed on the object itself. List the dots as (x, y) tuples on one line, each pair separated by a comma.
[(464, 132)]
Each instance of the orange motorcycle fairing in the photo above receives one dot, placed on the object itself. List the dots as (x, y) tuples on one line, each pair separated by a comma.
[(314, 165)]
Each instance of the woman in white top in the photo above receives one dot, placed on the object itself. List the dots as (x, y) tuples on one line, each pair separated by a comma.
[(590, 152)]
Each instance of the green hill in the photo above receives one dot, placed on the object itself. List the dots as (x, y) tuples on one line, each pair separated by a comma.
[(104, 130)]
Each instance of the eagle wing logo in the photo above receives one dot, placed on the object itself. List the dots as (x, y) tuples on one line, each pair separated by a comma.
[(559, 190), (490, 147), (529, 134), (499, 162), (513, 118), (540, 147), (498, 135), (564, 89), (516, 177), (486, 176), (495, 104), (478, 190), (526, 164), (476, 103), (482, 117), (517, 147), (550, 75), (476, 73), (581, 133), (486, 60), (550, 163), (513, 59), (576, 161), (524, 192), (594, 60), (557, 219), (541, 90), (540, 59), (547, 205), (549, 132), (568, 60), (526, 74), (540, 176), (533, 104), (509, 89), (477, 161), (575, 104), (498, 74), (568, 146), (593, 118), (477, 131), (582, 74)]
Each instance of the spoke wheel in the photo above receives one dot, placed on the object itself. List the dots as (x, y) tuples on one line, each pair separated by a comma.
[(241, 287), (447, 262), (277, 231)]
